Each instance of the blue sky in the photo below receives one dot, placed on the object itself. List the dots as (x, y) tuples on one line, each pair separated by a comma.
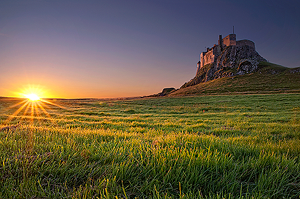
[(77, 49)]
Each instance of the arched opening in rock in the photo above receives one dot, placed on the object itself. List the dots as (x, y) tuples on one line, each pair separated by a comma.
[(245, 66)]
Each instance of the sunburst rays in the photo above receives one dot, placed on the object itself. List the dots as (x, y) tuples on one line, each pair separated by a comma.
[(31, 110)]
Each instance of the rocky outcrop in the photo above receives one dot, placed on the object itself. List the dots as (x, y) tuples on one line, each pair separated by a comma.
[(164, 92), (233, 60)]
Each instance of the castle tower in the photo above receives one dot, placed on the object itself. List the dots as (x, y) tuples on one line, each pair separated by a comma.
[(230, 40)]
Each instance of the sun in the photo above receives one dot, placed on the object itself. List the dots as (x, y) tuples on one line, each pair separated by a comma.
[(32, 97)]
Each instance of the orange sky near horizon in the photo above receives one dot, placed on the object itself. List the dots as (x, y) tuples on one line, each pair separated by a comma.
[(47, 83), (57, 90), (83, 83)]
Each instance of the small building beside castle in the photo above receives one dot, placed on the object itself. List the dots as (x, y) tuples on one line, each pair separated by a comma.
[(213, 53)]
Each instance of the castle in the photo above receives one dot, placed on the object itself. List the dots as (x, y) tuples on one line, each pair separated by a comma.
[(229, 58), (211, 55)]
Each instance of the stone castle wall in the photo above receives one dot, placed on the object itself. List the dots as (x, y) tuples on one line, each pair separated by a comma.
[(209, 57)]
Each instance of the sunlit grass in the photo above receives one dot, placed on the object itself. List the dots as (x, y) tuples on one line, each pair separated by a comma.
[(191, 147)]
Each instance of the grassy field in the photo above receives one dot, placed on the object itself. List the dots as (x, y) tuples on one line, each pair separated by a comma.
[(235, 146)]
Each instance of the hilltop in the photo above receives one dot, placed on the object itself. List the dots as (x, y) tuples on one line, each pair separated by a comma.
[(268, 78)]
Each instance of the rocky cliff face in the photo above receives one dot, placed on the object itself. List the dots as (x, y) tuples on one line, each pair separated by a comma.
[(233, 60)]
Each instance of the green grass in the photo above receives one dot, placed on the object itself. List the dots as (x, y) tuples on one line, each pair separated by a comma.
[(228, 146)]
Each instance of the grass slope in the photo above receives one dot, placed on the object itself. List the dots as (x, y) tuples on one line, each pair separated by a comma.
[(269, 78), (237, 146)]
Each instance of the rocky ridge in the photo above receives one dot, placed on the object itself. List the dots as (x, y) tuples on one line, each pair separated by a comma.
[(233, 60)]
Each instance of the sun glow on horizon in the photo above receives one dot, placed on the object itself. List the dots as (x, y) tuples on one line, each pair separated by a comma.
[(33, 92), (32, 97)]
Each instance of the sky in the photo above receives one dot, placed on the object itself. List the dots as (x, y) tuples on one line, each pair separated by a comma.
[(126, 48)]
